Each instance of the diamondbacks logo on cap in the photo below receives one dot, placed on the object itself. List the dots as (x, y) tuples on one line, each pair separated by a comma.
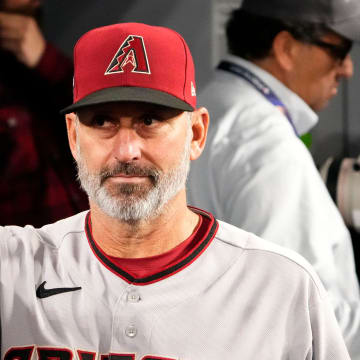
[(131, 56)]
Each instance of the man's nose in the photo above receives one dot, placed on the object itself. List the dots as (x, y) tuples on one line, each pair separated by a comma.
[(127, 145), (346, 68)]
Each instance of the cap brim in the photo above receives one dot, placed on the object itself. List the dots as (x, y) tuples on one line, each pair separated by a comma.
[(116, 94), (350, 28)]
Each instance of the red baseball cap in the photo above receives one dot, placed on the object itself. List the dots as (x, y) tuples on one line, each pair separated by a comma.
[(133, 62)]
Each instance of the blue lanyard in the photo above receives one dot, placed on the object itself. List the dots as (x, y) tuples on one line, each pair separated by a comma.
[(258, 85)]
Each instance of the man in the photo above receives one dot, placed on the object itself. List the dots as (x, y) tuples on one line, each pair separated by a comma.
[(142, 276), (37, 181), (287, 59)]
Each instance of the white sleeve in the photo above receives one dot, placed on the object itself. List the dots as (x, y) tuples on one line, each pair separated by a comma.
[(285, 201), (327, 341)]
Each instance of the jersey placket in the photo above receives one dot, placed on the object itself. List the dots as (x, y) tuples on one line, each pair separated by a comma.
[(131, 328)]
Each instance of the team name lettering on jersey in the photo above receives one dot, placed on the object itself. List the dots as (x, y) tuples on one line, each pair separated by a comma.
[(47, 353)]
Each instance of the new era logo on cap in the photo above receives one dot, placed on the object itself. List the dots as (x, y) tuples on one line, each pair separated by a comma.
[(133, 62), (130, 56)]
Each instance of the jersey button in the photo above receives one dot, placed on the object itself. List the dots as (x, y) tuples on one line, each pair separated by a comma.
[(133, 297), (131, 331)]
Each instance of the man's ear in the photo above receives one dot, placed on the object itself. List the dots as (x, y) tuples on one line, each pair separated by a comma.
[(286, 50), (200, 123), (71, 131)]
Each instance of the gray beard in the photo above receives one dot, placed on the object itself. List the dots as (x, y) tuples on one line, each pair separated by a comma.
[(131, 203)]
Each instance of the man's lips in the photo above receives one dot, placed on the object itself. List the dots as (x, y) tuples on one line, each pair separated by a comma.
[(129, 173), (128, 178), (334, 90)]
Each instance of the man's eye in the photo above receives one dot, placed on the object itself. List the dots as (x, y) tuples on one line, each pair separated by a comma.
[(100, 120), (148, 120)]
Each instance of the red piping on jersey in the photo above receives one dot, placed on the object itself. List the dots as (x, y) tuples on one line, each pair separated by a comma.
[(171, 270)]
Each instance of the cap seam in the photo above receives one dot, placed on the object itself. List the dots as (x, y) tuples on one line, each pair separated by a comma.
[(186, 64), (75, 89)]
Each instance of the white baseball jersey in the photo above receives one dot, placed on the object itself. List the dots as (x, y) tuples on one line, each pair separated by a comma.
[(234, 296)]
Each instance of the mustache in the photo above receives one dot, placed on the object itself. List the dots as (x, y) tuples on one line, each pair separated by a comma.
[(129, 169)]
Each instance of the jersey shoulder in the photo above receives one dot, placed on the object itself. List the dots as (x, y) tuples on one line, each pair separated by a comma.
[(274, 260), (51, 235)]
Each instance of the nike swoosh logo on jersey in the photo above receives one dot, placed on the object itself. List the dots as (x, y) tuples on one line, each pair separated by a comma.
[(42, 293)]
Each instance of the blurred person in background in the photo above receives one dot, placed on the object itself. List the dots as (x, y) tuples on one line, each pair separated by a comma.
[(287, 60), (37, 181)]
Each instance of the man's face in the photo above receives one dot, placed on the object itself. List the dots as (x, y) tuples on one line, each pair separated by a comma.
[(317, 73), (25, 7), (132, 157)]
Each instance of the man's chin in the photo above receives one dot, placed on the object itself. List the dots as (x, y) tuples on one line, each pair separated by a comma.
[(320, 106), (127, 190), (129, 208)]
